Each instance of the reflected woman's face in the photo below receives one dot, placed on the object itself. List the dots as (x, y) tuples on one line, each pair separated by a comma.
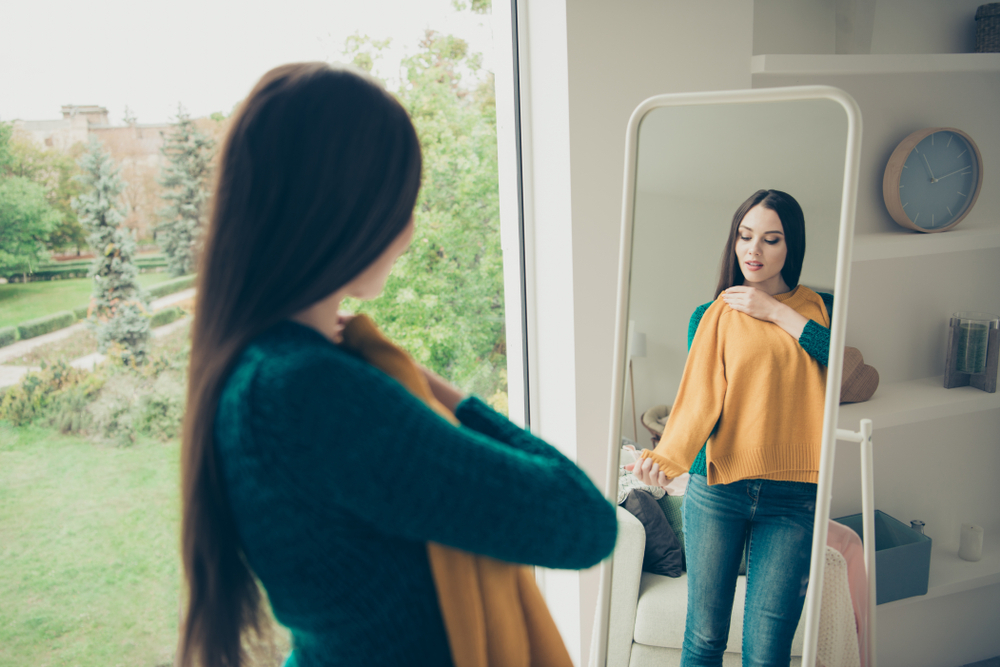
[(761, 250)]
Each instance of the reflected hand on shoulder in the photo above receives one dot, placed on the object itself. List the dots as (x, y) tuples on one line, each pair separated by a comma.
[(752, 301), (759, 304)]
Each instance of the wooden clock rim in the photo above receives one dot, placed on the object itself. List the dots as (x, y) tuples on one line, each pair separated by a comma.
[(894, 170)]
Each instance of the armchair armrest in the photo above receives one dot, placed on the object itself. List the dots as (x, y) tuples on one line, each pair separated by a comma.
[(626, 571)]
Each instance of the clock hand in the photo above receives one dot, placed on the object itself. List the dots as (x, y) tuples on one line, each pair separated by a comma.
[(933, 180), (952, 173)]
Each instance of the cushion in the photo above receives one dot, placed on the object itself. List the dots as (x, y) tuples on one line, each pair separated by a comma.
[(671, 506), (663, 554), (662, 609)]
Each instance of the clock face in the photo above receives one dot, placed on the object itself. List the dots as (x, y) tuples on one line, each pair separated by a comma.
[(939, 180)]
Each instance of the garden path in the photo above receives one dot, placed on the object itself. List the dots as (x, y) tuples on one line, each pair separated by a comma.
[(11, 375)]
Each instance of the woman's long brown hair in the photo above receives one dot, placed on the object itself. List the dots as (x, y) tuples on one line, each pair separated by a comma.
[(319, 173)]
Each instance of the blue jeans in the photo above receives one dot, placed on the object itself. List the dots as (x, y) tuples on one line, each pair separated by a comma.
[(774, 520)]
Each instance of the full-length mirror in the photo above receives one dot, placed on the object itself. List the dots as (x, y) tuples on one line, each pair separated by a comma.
[(692, 161)]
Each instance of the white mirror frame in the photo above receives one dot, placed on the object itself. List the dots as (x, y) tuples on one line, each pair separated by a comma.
[(835, 365)]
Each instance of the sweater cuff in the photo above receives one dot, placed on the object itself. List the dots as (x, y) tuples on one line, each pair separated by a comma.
[(669, 468), (815, 340), (478, 416)]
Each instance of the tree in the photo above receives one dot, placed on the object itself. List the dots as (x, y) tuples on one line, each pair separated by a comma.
[(444, 300), (117, 302), (6, 132), (26, 220), (55, 172), (189, 153)]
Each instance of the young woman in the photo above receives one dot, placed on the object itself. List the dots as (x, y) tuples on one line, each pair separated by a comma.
[(753, 386), (306, 470)]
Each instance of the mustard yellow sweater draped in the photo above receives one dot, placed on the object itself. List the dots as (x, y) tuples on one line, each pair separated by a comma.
[(754, 393), (494, 613)]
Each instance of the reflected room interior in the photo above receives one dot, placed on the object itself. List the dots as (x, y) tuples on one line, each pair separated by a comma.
[(695, 165)]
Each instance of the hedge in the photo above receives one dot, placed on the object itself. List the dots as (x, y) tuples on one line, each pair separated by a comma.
[(50, 274), (150, 262), (166, 316), (81, 312), (7, 335), (79, 268), (44, 325), (171, 286)]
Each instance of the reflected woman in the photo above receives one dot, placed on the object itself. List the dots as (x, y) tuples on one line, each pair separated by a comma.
[(753, 386)]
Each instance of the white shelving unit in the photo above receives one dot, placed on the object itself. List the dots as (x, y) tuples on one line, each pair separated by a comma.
[(907, 415), (901, 403), (830, 65), (950, 574), (902, 243)]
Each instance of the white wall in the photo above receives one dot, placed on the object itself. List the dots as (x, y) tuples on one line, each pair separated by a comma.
[(599, 60), (591, 62)]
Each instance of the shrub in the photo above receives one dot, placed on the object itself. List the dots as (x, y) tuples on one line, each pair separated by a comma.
[(112, 411), (160, 412), (44, 325), (171, 286), (39, 391), (81, 312), (7, 335), (166, 316)]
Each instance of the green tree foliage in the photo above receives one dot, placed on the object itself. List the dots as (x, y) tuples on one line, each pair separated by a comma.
[(476, 6), (55, 172), (6, 133), (185, 179), (117, 302), (444, 300), (26, 218)]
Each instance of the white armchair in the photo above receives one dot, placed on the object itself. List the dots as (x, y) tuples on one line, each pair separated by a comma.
[(647, 612)]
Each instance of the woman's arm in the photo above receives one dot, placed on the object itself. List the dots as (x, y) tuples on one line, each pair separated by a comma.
[(762, 306), (812, 336), (350, 438)]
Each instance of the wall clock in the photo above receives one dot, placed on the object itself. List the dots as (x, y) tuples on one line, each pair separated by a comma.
[(933, 179)]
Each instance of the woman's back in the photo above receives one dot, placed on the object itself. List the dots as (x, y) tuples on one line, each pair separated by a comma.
[(340, 545)]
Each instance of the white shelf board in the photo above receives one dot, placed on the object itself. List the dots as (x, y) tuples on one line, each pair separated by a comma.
[(950, 574), (903, 243), (898, 403), (919, 63)]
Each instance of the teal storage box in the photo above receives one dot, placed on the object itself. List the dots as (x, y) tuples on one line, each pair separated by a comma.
[(902, 557)]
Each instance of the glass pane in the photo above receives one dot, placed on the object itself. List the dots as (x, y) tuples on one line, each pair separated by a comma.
[(89, 443)]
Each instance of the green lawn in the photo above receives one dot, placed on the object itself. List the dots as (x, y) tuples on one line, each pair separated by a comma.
[(26, 301), (89, 567)]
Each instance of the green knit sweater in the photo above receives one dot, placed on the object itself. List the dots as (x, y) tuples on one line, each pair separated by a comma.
[(337, 477), (815, 339)]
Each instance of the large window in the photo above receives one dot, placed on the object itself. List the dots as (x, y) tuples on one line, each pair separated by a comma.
[(89, 448)]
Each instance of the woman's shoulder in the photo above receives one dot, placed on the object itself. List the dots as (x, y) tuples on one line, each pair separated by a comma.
[(290, 354)]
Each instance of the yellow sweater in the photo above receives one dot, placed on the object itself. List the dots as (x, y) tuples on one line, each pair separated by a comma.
[(754, 393)]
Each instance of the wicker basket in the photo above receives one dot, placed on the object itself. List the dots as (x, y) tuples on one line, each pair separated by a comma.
[(988, 28)]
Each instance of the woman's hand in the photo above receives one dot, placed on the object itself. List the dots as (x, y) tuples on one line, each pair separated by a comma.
[(752, 301), (762, 306), (446, 394), (647, 472)]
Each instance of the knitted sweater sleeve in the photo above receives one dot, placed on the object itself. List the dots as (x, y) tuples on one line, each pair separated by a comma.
[(815, 338), (699, 399), (350, 438)]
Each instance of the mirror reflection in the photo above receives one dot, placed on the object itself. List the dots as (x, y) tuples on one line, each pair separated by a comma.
[(740, 202)]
